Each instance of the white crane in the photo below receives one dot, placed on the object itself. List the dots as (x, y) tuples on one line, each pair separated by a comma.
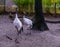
[(18, 24), (27, 21)]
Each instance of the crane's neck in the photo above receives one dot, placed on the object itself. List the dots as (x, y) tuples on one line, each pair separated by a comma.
[(23, 16), (16, 15)]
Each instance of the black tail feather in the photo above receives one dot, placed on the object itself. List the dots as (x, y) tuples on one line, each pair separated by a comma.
[(19, 32), (22, 29)]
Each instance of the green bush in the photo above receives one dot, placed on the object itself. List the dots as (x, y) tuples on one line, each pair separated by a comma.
[(25, 5)]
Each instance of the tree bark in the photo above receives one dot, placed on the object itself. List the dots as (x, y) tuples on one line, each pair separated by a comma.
[(39, 22)]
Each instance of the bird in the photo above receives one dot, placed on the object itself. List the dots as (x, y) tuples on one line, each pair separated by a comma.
[(27, 21), (18, 25)]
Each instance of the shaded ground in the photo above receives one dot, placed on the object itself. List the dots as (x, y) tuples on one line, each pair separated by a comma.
[(49, 38)]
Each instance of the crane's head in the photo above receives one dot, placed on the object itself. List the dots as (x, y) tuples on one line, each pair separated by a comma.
[(16, 10)]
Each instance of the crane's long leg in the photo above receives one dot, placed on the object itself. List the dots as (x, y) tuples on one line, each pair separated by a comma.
[(16, 41), (30, 26), (21, 30), (18, 32)]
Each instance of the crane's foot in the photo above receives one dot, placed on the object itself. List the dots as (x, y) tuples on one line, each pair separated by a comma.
[(16, 41)]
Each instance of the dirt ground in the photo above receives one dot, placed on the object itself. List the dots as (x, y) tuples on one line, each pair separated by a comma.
[(49, 38)]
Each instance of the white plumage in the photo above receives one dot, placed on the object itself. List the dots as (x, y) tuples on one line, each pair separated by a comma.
[(27, 21), (18, 24)]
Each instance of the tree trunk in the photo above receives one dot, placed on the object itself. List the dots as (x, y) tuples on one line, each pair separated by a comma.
[(39, 22)]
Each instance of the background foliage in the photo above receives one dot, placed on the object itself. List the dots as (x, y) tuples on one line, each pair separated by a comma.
[(25, 5), (28, 5)]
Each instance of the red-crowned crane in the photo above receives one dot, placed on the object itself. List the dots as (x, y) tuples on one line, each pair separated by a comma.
[(27, 21), (18, 24)]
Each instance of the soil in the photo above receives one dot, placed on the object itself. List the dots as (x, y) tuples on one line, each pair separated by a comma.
[(49, 38)]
